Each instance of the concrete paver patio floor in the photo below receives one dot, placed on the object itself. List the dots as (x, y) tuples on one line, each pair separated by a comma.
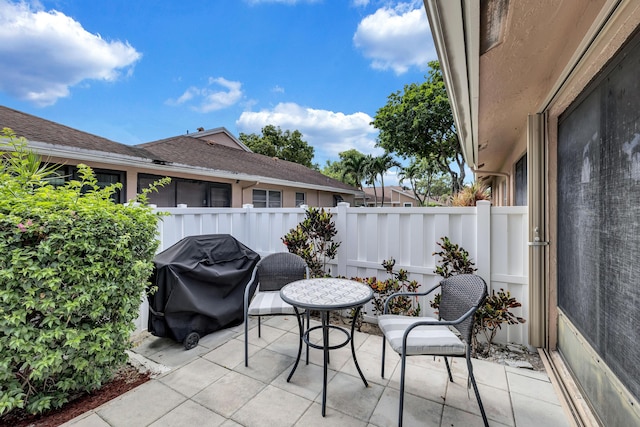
[(210, 386)]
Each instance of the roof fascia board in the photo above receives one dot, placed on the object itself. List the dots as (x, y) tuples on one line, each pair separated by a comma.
[(54, 150), (455, 26)]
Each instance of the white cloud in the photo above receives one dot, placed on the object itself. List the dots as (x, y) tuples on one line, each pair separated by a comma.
[(360, 3), (396, 38), (43, 54), (224, 94), (328, 132)]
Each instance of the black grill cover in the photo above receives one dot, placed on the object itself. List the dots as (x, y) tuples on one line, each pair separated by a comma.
[(201, 282)]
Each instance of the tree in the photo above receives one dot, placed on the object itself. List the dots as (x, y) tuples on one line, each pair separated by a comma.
[(414, 172), (440, 186), (419, 122), (382, 165), (354, 163), (285, 145), (334, 169), (349, 169), (377, 166), (426, 181), (370, 174)]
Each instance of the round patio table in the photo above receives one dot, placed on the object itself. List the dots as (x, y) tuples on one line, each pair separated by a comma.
[(325, 295)]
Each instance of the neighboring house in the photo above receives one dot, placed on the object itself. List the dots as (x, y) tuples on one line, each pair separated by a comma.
[(394, 196), (208, 168), (546, 99)]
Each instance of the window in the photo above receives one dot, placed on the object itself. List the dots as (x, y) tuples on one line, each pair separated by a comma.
[(105, 177), (267, 199), (598, 224), (60, 176), (521, 182), (220, 195), (301, 199), (192, 192), (407, 204), (164, 197)]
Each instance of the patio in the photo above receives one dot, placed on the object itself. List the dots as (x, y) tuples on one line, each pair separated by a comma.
[(210, 386)]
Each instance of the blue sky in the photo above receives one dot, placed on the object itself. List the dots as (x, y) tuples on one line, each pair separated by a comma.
[(136, 71)]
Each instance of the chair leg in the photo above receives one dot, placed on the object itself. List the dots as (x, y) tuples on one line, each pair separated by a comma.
[(446, 362), (475, 389), (384, 347), (246, 340), (259, 330), (303, 329), (402, 372)]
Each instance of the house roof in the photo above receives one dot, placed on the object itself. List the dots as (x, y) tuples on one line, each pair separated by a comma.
[(189, 150), (191, 153), (36, 129)]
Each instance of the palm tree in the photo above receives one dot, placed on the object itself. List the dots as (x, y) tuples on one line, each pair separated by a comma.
[(413, 173), (378, 166), (383, 164), (370, 173), (355, 166)]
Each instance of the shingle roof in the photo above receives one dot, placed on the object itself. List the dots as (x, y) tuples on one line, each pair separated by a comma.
[(183, 150), (41, 130), (191, 151)]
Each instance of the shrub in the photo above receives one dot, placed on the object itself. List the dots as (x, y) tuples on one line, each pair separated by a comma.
[(73, 269), (493, 313), (397, 282), (312, 240), (453, 259)]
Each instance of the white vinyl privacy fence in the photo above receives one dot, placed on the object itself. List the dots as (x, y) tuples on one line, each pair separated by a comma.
[(496, 238)]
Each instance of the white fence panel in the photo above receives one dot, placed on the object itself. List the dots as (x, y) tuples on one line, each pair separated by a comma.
[(509, 265), (496, 239)]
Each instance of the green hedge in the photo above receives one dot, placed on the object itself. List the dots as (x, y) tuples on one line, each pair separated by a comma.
[(73, 269)]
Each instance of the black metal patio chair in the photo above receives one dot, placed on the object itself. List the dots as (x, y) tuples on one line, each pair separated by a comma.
[(460, 297), (262, 293)]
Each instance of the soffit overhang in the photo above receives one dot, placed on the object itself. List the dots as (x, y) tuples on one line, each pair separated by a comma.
[(532, 48)]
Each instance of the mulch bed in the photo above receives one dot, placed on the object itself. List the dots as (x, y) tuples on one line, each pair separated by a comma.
[(125, 379)]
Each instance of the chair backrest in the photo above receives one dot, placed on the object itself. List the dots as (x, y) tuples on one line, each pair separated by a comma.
[(276, 270), (458, 294)]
